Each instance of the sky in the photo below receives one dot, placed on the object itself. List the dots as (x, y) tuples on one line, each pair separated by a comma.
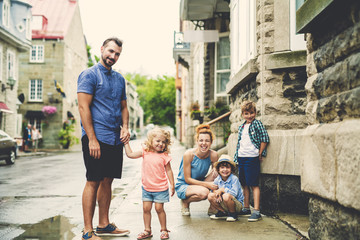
[(145, 26)]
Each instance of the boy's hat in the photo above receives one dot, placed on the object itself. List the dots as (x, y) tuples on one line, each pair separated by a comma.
[(225, 158)]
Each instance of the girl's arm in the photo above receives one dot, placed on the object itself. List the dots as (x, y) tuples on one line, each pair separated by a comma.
[(170, 175), (130, 153)]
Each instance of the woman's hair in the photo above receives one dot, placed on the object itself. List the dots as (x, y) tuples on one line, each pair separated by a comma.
[(158, 132), (248, 106), (204, 129)]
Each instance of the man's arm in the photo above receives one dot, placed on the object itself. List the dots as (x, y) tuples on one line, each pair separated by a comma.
[(124, 133), (84, 101)]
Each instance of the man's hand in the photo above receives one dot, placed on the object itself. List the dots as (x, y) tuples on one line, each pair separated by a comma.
[(94, 149), (124, 135)]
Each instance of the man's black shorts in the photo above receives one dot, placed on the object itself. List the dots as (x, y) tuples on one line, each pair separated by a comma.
[(109, 164)]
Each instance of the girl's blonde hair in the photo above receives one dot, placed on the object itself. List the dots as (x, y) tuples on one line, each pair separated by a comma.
[(204, 129), (158, 132), (248, 106)]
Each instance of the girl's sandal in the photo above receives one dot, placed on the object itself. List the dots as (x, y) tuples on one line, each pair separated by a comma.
[(145, 234), (164, 234)]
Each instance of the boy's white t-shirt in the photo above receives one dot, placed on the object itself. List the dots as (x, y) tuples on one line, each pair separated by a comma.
[(247, 149)]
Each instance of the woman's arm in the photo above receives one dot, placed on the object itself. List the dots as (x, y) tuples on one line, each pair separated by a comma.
[(188, 157), (130, 153)]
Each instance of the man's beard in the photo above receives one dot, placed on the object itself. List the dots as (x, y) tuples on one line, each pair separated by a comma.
[(108, 65)]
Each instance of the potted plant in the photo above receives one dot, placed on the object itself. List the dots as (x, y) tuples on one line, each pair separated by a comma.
[(216, 110), (66, 137), (195, 113)]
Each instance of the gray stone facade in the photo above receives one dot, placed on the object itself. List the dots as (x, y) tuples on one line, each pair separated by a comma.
[(275, 80), (331, 159)]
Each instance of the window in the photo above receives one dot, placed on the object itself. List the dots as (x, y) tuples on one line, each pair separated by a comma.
[(11, 65), (1, 57), (297, 41), (28, 27), (35, 88), (222, 63), (242, 33), (6, 13), (37, 53)]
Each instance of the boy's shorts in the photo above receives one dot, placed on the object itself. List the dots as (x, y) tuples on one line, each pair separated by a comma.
[(249, 171), (238, 205), (158, 197), (110, 162)]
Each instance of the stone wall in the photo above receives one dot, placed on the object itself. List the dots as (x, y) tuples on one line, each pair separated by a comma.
[(330, 145), (275, 80)]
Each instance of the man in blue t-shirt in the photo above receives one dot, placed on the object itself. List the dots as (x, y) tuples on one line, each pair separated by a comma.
[(104, 121)]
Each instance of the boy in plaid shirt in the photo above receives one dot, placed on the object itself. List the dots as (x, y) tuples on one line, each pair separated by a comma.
[(250, 150)]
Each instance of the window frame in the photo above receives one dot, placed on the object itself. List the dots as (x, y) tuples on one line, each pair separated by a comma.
[(37, 97), (10, 65), (28, 27), (6, 13), (216, 71), (1, 63), (297, 41), (243, 20), (36, 58)]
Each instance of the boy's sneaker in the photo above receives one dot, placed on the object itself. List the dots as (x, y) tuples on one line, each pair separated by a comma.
[(245, 212), (232, 217), (255, 216), (219, 215)]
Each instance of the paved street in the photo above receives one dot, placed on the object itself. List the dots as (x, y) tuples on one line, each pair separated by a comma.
[(40, 198)]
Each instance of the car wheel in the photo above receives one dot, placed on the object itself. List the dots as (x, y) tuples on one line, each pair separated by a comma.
[(11, 159)]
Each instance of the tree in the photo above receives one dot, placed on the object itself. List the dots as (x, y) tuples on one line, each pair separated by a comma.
[(90, 58), (157, 98)]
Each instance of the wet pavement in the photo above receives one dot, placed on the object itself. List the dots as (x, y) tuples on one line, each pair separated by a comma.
[(40, 198)]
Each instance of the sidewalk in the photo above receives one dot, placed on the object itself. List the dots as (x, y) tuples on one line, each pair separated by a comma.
[(128, 214)]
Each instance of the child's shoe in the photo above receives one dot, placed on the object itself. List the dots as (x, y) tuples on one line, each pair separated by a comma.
[(219, 215), (164, 234), (245, 212), (232, 217), (255, 216)]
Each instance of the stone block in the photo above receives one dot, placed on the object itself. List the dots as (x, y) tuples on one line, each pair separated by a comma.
[(311, 111), (280, 157), (318, 160), (347, 139)]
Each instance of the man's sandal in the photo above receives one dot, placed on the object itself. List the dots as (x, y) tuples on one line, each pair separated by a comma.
[(145, 234), (164, 234)]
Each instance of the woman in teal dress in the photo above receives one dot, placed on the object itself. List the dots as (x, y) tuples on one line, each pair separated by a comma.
[(193, 182)]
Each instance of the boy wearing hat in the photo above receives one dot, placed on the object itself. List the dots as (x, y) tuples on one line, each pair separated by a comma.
[(228, 199)]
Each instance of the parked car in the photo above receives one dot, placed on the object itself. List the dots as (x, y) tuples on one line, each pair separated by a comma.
[(133, 134), (8, 148)]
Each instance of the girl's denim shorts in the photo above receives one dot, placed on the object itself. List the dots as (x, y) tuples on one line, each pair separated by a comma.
[(158, 197)]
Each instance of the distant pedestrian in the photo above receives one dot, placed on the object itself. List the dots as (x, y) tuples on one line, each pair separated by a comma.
[(27, 138), (229, 198), (193, 182), (250, 150), (105, 128), (156, 171), (35, 136)]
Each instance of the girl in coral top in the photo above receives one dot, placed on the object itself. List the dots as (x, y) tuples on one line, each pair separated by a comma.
[(156, 171)]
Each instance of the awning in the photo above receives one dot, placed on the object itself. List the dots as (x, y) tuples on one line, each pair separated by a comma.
[(4, 108), (35, 114)]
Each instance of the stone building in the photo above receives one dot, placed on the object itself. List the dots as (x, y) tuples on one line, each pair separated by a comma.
[(202, 54), (15, 37), (298, 61), (330, 156), (49, 72)]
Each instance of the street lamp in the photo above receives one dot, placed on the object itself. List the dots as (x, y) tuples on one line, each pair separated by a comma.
[(11, 82)]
